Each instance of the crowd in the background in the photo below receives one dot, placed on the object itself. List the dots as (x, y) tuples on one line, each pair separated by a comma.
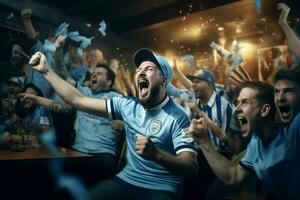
[(247, 133)]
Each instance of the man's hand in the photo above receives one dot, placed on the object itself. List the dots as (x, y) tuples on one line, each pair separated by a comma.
[(145, 147), (25, 96), (26, 13), (198, 130), (196, 110), (39, 63), (284, 12), (114, 65), (118, 125)]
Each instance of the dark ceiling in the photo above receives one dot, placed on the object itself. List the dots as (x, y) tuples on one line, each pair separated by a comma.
[(185, 26), (128, 15)]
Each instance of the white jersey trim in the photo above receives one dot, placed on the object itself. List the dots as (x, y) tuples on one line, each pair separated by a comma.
[(109, 109), (186, 149)]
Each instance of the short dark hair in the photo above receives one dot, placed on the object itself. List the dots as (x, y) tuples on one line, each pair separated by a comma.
[(265, 94), (109, 73), (287, 74)]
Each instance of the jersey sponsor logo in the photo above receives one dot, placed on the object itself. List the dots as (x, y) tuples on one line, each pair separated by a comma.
[(155, 126)]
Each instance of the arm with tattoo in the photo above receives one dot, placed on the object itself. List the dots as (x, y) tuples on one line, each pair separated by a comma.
[(54, 106), (59, 107)]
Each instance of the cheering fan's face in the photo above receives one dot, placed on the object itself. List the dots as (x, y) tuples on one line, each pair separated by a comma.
[(99, 81), (201, 88), (149, 80), (287, 99), (16, 54), (248, 111)]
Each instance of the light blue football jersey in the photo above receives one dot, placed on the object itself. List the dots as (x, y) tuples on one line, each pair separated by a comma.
[(94, 134), (163, 124), (277, 165)]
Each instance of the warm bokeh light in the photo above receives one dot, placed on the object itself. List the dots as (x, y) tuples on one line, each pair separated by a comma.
[(188, 33), (248, 49)]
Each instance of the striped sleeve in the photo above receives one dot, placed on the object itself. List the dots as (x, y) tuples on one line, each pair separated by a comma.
[(117, 106), (109, 109)]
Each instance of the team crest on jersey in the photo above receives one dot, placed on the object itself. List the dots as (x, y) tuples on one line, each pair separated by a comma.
[(155, 126)]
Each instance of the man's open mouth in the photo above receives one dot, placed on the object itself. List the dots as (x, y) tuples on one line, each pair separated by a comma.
[(242, 120), (94, 81), (285, 111), (143, 87), (244, 125)]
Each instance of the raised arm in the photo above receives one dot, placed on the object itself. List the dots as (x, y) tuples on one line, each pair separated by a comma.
[(26, 18), (68, 93), (292, 39), (219, 48), (183, 79), (226, 171)]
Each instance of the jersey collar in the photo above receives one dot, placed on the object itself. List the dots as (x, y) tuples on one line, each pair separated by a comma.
[(159, 106), (212, 98)]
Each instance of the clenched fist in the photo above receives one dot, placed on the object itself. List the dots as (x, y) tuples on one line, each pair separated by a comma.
[(26, 13), (39, 63), (198, 130), (145, 147)]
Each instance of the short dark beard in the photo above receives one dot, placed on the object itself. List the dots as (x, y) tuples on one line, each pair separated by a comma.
[(151, 101)]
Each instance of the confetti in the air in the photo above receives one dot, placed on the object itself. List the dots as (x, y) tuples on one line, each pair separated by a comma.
[(102, 28), (10, 16)]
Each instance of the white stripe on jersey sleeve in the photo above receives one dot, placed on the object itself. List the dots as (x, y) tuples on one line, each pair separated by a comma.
[(186, 149), (109, 110)]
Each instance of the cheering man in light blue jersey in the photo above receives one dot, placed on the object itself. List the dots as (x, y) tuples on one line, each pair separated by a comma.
[(158, 156), (273, 152)]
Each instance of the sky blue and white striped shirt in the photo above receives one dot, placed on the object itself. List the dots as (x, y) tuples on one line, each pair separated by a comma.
[(220, 111)]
